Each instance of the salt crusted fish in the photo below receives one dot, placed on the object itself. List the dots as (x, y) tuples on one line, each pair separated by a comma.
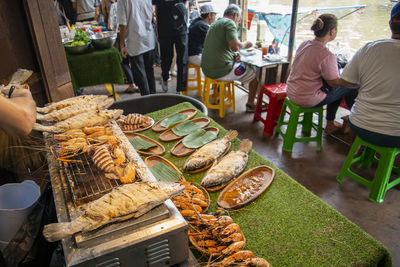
[(87, 119), (209, 152), (71, 101), (228, 167), (70, 111), (122, 203)]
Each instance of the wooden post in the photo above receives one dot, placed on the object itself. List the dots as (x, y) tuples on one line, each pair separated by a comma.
[(244, 20)]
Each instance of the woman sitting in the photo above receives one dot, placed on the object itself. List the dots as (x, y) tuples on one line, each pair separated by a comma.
[(314, 78)]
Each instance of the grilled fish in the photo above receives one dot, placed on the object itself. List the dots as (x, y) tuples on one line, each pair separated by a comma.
[(228, 167), (70, 111), (209, 152), (122, 203), (71, 101), (87, 119), (133, 118)]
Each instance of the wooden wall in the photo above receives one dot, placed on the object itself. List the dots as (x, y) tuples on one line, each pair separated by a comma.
[(16, 47), (30, 39)]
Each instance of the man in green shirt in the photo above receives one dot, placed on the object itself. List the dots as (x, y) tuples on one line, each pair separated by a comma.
[(221, 59)]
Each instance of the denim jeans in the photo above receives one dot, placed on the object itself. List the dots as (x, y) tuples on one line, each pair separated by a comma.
[(334, 97), (376, 138)]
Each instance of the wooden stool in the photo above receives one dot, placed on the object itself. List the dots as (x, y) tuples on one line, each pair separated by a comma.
[(380, 184), (197, 79), (221, 91), (277, 94), (289, 137)]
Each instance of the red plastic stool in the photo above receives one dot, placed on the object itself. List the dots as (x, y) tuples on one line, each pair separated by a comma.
[(276, 93)]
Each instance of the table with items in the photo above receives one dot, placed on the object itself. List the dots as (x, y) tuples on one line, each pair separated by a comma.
[(287, 224), (255, 58), (95, 67)]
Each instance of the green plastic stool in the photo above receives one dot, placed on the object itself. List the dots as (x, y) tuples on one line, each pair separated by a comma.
[(380, 184), (289, 136)]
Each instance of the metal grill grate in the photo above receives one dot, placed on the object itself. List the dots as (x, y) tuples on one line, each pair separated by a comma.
[(85, 181)]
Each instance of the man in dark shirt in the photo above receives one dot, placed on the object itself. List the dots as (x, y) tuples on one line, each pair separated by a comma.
[(172, 31), (197, 33)]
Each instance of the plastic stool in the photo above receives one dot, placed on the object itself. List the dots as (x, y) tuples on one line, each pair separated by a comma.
[(277, 94), (289, 137), (224, 90), (197, 79), (380, 184)]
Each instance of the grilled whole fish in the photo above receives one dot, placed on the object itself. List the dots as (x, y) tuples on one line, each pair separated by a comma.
[(87, 119), (209, 152), (228, 167), (70, 111), (71, 101), (122, 203)]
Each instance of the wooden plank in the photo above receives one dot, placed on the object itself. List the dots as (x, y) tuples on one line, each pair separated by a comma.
[(43, 24)]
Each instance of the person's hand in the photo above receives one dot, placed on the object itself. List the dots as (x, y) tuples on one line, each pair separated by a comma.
[(19, 91), (237, 57), (124, 52), (248, 44)]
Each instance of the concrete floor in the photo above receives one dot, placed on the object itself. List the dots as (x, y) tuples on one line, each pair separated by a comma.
[(315, 170)]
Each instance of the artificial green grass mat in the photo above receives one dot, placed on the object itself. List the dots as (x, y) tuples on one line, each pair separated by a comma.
[(288, 225)]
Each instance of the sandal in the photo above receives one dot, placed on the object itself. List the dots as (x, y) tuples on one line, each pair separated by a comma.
[(250, 108)]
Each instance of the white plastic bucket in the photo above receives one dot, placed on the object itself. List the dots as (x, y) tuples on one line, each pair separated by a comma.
[(16, 202)]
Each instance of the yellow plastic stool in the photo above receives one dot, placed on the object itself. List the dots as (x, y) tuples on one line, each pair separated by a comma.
[(223, 95), (197, 79)]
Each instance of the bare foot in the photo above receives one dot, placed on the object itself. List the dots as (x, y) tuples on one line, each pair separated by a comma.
[(332, 126)]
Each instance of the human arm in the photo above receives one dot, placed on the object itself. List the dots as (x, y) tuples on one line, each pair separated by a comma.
[(18, 113), (122, 21), (122, 34), (232, 37), (236, 45)]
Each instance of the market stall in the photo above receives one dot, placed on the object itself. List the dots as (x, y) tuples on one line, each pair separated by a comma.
[(112, 204)]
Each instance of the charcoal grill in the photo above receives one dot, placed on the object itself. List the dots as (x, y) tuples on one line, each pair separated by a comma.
[(158, 238)]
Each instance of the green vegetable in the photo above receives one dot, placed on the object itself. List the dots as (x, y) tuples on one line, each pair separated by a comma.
[(173, 119), (198, 138), (163, 173), (185, 128), (80, 38), (140, 144)]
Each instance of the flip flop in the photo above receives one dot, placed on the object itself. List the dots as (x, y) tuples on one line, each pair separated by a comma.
[(169, 135)]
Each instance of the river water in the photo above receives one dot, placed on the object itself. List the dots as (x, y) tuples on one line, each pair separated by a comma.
[(354, 30)]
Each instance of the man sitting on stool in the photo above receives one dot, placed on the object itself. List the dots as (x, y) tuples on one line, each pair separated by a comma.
[(375, 115), (221, 59), (197, 33)]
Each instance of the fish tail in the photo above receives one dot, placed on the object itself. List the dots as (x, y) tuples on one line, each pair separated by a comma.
[(231, 135), (57, 231), (107, 103), (245, 145), (117, 113), (42, 110), (40, 117), (41, 128)]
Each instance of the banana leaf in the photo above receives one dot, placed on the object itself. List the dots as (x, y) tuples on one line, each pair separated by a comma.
[(173, 119), (140, 144), (185, 128), (198, 138), (163, 173)]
